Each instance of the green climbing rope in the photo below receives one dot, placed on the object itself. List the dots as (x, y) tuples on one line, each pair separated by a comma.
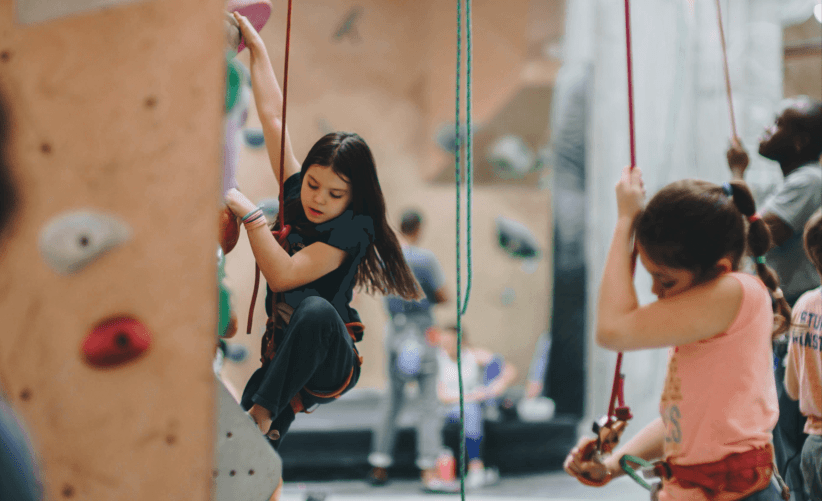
[(462, 304)]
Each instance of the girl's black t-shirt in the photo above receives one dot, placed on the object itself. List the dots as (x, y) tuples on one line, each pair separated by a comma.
[(348, 232)]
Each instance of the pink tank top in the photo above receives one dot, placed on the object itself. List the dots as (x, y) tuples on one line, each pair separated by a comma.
[(720, 395)]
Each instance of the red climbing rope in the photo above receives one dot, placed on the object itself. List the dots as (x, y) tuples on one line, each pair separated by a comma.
[(616, 389), (727, 73), (285, 100), (284, 230), (630, 83)]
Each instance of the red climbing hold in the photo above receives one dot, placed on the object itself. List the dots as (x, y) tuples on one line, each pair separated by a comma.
[(229, 230), (116, 341)]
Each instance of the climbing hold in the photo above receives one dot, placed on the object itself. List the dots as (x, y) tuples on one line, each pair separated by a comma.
[(242, 449), (257, 12), (116, 341), (236, 353), (254, 137), (508, 296), (517, 239), (72, 241), (229, 230), (270, 207), (511, 157), (530, 266), (446, 136), (233, 83)]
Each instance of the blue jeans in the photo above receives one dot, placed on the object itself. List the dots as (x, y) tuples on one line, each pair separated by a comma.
[(473, 427), (812, 467), (770, 493)]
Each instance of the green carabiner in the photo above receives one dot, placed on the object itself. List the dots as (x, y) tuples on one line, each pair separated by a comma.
[(623, 463)]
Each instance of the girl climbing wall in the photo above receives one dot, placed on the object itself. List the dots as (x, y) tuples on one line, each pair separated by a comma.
[(335, 237), (719, 324)]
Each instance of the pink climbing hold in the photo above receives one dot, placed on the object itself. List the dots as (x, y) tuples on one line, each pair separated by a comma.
[(257, 12), (116, 341)]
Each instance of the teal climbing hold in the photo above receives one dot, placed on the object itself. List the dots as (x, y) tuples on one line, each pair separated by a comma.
[(254, 137), (233, 82)]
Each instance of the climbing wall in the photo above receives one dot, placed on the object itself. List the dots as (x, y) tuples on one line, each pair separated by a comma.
[(108, 276)]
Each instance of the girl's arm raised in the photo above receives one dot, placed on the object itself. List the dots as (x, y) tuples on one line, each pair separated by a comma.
[(695, 314), (281, 271), (269, 100)]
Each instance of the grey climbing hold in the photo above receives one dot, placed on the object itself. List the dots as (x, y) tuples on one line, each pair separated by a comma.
[(508, 296), (511, 157), (72, 241), (247, 467), (271, 208), (516, 239)]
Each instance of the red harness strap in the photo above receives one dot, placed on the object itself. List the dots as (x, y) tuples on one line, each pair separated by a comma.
[(732, 477)]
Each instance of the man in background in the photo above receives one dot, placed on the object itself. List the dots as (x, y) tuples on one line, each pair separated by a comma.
[(411, 358)]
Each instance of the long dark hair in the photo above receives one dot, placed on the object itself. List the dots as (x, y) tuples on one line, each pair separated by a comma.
[(383, 268), (692, 224)]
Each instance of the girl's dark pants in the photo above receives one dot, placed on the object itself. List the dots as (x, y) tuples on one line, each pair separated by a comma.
[(314, 351)]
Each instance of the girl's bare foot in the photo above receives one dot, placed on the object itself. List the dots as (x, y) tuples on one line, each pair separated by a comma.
[(261, 416)]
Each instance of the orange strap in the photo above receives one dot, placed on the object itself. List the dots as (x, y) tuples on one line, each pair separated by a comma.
[(353, 328)]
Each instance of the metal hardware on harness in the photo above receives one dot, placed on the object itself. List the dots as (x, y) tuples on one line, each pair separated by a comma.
[(648, 470)]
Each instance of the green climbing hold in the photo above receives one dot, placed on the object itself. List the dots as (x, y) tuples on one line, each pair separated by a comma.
[(233, 82)]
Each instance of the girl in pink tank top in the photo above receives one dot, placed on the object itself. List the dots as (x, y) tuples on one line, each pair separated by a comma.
[(719, 405)]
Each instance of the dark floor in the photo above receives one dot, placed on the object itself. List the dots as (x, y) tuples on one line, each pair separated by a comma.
[(333, 442)]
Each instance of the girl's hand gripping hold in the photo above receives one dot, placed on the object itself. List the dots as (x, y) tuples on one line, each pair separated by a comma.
[(630, 192), (252, 38), (239, 204)]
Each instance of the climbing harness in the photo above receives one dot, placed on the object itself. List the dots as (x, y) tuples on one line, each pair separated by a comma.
[(733, 477), (268, 349), (462, 304)]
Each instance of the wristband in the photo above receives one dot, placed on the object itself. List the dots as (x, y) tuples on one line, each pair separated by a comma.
[(754, 218), (760, 259), (251, 213), (255, 222)]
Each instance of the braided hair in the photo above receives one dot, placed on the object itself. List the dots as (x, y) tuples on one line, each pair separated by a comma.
[(691, 224)]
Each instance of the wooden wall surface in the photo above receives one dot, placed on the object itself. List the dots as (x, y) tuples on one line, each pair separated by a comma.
[(116, 110)]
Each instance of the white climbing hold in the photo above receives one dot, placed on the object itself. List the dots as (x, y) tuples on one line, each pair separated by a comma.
[(72, 241)]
